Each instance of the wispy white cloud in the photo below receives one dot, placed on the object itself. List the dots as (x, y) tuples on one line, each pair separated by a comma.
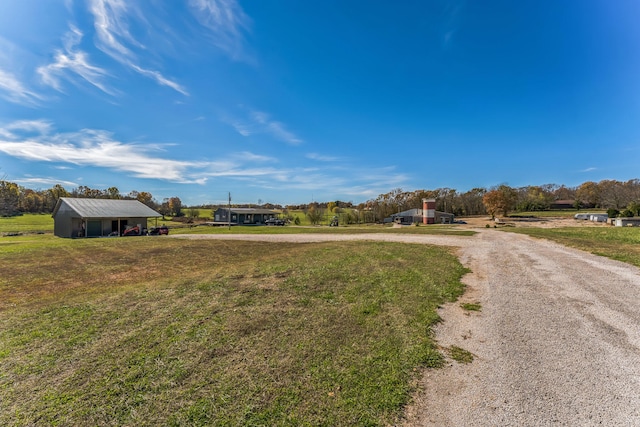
[(352, 182), (110, 22), (451, 22), (259, 122), (13, 90), (591, 169), (322, 158), (30, 181), (160, 79), (36, 126), (114, 38), (226, 22), (13, 87), (275, 128), (96, 148), (75, 61), (252, 157), (38, 141), (242, 128)]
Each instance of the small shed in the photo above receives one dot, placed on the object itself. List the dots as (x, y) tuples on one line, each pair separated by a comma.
[(243, 216), (76, 217)]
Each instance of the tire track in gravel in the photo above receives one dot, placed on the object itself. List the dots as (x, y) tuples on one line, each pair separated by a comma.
[(557, 342)]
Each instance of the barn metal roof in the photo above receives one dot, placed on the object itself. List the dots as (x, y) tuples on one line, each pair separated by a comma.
[(107, 208)]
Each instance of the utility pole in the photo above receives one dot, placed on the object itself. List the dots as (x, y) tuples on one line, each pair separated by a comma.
[(229, 212)]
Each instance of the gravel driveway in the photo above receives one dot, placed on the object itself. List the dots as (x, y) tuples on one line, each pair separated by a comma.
[(557, 341)]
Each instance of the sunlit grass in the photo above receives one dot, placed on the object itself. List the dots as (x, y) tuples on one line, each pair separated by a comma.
[(158, 331), (31, 223)]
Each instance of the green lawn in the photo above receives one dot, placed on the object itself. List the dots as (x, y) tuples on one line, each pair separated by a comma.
[(620, 243), (158, 331), (28, 223)]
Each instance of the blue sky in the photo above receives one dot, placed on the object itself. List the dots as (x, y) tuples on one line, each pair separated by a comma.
[(290, 101)]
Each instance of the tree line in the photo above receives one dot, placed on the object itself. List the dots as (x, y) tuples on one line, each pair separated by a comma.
[(617, 196), (16, 199)]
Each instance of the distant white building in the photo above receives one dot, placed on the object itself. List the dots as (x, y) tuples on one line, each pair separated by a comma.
[(599, 217), (626, 222)]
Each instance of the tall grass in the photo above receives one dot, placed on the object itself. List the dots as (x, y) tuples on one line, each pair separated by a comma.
[(157, 331)]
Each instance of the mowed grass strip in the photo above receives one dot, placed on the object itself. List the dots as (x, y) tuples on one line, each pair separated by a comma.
[(349, 229), (31, 223), (619, 243), (156, 331)]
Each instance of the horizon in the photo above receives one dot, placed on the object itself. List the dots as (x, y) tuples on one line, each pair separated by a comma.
[(293, 102)]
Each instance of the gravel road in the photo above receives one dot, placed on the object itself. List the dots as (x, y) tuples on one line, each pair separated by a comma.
[(557, 342)]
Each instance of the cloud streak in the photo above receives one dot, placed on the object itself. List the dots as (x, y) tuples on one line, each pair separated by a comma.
[(73, 60), (45, 181), (38, 141), (225, 20), (14, 91), (322, 158), (95, 148), (115, 39), (451, 22), (260, 122)]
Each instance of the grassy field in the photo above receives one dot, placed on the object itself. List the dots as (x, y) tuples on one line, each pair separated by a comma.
[(29, 223), (33, 224), (158, 331), (620, 243)]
